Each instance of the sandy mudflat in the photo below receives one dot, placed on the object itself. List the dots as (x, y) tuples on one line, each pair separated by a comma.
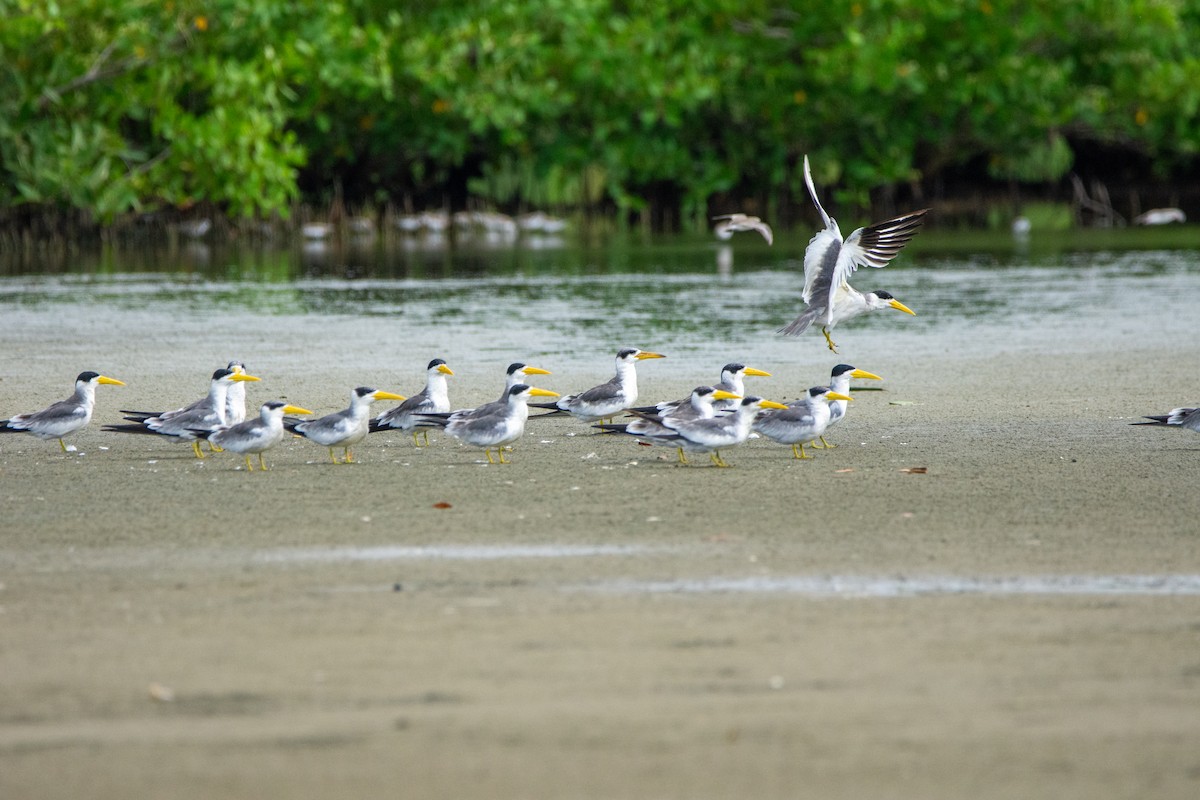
[(595, 621)]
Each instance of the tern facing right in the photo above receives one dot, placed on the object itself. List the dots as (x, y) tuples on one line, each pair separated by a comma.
[(801, 421), (254, 435), (712, 434), (653, 428), (840, 383), (830, 260), (1181, 417), (343, 428), (496, 424), (435, 397), (209, 414), (732, 383), (609, 398), (65, 416)]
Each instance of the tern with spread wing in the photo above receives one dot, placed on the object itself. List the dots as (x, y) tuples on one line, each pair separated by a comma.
[(729, 224), (830, 260), (65, 416)]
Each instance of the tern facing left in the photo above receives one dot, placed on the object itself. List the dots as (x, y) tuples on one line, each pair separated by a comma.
[(496, 424), (343, 428), (254, 435), (829, 261), (609, 398), (729, 224), (65, 416)]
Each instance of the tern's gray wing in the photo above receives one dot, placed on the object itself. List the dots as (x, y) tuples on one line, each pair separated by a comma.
[(330, 430)]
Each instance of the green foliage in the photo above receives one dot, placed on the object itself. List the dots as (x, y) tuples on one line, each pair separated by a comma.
[(112, 106)]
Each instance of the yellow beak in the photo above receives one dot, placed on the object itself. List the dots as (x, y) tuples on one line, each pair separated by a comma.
[(758, 373), (241, 376), (896, 304), (837, 396), (110, 381), (442, 368), (862, 373), (721, 394), (537, 371), (290, 409), (535, 392), (389, 396), (643, 354), (771, 404)]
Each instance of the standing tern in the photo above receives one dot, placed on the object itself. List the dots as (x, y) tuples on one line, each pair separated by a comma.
[(254, 435), (435, 397), (343, 428), (65, 416), (609, 398), (235, 399), (829, 261), (710, 435), (1183, 417), (732, 383), (209, 413), (801, 421), (653, 427), (840, 384), (514, 375), (729, 224), (493, 425)]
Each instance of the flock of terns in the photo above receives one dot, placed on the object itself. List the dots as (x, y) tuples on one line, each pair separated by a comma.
[(712, 418)]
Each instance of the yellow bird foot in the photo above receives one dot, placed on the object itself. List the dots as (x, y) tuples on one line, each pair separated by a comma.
[(825, 443), (500, 452), (828, 340), (799, 453), (487, 452), (349, 459), (717, 460), (196, 449), (249, 464), (63, 445), (262, 465), (682, 457)]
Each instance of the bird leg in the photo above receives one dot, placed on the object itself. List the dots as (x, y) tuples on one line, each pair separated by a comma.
[(500, 453), (825, 443), (682, 457), (416, 441), (487, 451), (332, 457), (715, 455), (425, 436), (349, 459), (262, 465), (215, 448), (62, 444), (828, 341), (196, 448), (800, 453), (249, 465)]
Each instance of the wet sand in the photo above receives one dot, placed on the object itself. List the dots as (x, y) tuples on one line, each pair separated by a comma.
[(594, 620)]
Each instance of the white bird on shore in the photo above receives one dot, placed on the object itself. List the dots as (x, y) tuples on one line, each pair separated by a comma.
[(343, 428), (800, 421), (493, 425), (840, 384), (829, 261), (729, 224), (711, 435), (609, 398), (732, 382), (1182, 417), (652, 426), (208, 413), (65, 416), (254, 435), (435, 398), (515, 374)]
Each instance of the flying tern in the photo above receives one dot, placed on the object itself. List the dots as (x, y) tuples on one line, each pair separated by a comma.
[(830, 260)]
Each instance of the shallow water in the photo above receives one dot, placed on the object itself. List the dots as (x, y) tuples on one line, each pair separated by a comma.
[(565, 298)]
